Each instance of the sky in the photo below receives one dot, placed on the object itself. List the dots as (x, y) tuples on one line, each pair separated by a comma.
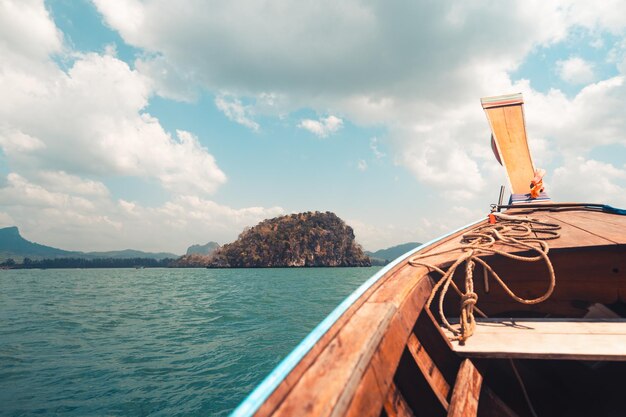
[(155, 125)]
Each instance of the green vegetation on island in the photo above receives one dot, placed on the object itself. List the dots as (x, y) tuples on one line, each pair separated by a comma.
[(311, 239)]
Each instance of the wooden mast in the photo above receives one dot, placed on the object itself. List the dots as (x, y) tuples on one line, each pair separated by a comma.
[(506, 118)]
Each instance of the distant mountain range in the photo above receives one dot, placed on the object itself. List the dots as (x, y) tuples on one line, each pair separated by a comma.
[(384, 256), (13, 245)]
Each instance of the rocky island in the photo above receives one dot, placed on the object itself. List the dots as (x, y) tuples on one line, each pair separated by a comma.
[(311, 239)]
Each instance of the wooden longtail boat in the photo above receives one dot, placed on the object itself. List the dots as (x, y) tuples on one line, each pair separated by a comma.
[(553, 341)]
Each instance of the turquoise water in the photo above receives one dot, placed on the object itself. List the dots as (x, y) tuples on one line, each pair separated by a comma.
[(158, 342)]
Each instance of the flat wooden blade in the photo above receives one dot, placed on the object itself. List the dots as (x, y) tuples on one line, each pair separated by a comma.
[(506, 118)]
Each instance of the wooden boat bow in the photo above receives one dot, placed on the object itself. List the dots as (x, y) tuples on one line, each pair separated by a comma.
[(383, 351)]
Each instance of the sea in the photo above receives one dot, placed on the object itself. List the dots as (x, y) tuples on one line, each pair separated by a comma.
[(153, 342)]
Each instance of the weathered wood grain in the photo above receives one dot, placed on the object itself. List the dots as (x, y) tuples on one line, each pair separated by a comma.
[(466, 392), (580, 339), (387, 357), (341, 364), (509, 131), (598, 226)]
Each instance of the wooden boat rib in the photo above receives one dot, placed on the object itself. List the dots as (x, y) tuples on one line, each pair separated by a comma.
[(382, 352)]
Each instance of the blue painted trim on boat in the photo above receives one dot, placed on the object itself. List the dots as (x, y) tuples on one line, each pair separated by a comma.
[(257, 397), (613, 210)]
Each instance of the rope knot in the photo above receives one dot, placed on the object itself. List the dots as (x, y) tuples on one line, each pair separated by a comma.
[(468, 300), (518, 233)]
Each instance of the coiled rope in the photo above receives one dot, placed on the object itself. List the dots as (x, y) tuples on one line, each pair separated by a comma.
[(510, 232)]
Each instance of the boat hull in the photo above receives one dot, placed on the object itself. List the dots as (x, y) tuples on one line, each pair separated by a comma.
[(383, 352)]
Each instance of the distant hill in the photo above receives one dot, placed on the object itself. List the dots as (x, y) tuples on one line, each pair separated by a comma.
[(384, 256), (296, 240), (207, 249), (13, 245)]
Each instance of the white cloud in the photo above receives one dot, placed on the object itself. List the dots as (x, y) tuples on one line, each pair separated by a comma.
[(334, 48), (236, 111), (575, 70), (441, 162), (575, 126), (374, 147), (27, 32), (378, 64), (391, 65), (166, 80), (61, 181), (13, 142), (6, 220), (596, 181), (609, 16), (125, 15), (322, 127), (70, 216), (374, 237), (91, 121), (330, 56), (20, 192), (361, 165), (66, 130)]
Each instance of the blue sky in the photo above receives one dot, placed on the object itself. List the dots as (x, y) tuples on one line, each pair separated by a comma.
[(157, 125)]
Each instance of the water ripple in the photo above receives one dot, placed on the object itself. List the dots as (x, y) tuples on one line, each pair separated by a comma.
[(153, 342)]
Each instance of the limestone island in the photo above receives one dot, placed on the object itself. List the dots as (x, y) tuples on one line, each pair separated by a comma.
[(311, 239)]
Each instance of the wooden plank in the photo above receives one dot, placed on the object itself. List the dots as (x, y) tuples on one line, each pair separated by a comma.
[(427, 367), (351, 376), (396, 405), (616, 220), (341, 365), (578, 339), (366, 400), (509, 132), (571, 236), (368, 396), (600, 326), (547, 308), (464, 401), (597, 227)]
